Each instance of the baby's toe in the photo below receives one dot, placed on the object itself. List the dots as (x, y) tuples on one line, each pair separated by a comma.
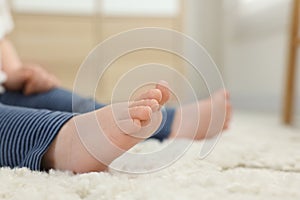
[(152, 103), (163, 86), (142, 113), (152, 94)]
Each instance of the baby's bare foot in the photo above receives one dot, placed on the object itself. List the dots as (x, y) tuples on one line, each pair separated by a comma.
[(200, 128), (90, 142)]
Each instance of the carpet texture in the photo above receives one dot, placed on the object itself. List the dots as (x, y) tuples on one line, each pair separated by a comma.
[(256, 159)]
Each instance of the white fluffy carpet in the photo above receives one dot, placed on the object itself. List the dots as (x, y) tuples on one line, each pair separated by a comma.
[(256, 159)]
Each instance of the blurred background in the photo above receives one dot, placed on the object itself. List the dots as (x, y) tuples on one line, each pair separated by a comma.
[(248, 39)]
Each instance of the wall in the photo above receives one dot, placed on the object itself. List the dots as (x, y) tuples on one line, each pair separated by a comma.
[(248, 39), (255, 51), (61, 39), (203, 23)]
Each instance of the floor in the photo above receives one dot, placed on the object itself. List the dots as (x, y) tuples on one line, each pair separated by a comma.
[(256, 159)]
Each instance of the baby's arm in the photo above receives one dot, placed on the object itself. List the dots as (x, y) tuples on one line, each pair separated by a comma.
[(10, 58), (30, 78), (11, 64)]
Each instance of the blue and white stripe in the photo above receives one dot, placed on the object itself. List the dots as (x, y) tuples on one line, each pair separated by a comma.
[(26, 134)]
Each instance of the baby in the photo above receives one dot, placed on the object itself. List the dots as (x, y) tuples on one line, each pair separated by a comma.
[(38, 129), (29, 86)]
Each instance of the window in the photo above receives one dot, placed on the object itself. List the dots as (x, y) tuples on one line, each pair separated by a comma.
[(153, 8)]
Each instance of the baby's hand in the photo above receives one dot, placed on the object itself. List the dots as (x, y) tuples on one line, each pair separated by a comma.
[(30, 79), (37, 80)]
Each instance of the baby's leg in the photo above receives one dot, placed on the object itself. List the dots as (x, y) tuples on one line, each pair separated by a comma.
[(25, 135), (209, 125), (60, 99), (57, 99), (78, 144)]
